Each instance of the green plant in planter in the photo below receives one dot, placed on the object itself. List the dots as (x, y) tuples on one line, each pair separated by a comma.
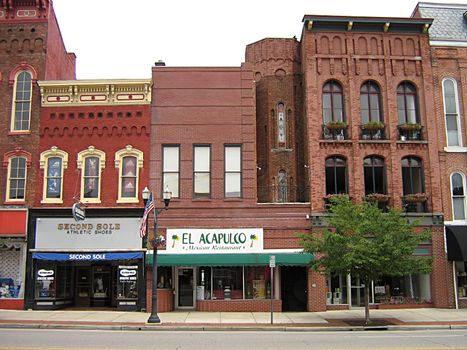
[(415, 198), (377, 197), (410, 126), (336, 125), (373, 125)]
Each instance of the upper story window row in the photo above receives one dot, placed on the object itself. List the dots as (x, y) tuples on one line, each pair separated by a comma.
[(91, 163), (202, 171), (375, 180), (372, 121)]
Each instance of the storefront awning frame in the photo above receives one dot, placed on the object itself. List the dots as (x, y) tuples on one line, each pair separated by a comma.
[(259, 259)]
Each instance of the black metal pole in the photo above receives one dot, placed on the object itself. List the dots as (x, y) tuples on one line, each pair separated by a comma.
[(154, 318)]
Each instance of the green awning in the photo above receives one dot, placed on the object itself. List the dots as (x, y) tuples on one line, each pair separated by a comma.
[(282, 259)]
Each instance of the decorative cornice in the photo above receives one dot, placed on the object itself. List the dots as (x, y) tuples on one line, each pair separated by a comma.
[(95, 92)]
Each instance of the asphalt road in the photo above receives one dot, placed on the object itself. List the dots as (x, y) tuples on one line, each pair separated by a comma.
[(206, 340)]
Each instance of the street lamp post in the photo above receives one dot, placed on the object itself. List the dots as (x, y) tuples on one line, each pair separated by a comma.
[(158, 241)]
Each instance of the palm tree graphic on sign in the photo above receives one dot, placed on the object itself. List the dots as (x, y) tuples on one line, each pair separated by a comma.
[(175, 238), (253, 238)]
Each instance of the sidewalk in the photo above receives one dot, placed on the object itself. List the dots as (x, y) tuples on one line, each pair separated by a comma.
[(401, 319)]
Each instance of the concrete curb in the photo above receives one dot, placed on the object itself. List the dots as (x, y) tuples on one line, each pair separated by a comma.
[(227, 327)]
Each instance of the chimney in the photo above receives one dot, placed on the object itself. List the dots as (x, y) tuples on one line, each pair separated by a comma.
[(159, 63)]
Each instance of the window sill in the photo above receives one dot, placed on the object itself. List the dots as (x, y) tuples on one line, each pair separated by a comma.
[(50, 201), (15, 202), (128, 201), (236, 199), (455, 149), (90, 201), (18, 133)]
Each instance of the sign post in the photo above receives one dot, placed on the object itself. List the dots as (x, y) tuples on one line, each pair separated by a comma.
[(272, 265)]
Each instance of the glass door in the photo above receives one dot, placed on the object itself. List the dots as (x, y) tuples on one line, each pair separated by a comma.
[(185, 288), (358, 292)]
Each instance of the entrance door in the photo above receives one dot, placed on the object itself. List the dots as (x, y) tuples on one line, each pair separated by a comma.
[(293, 288), (185, 281)]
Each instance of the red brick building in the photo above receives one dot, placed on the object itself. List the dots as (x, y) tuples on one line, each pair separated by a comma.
[(448, 42), (94, 147), (31, 48), (345, 110)]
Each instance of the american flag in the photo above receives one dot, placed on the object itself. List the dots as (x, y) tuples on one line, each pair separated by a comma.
[(147, 209)]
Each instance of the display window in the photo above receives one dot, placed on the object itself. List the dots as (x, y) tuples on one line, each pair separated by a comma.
[(258, 282), (336, 290), (164, 277), (10, 275), (410, 289), (52, 281)]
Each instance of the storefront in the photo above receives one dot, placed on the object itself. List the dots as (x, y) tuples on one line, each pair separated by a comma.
[(97, 262), (456, 241), (13, 223), (228, 270)]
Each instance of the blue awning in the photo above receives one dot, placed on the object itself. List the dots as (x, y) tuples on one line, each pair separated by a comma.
[(101, 256)]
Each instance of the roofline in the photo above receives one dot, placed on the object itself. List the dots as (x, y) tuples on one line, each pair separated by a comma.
[(404, 20)]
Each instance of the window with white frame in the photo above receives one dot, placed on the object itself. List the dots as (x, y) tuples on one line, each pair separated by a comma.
[(233, 171), (451, 112), (91, 162), (128, 161), (171, 169), (17, 169), (53, 161), (22, 96), (202, 172), (458, 196)]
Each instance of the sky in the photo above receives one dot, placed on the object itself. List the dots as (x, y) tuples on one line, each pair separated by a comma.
[(121, 39)]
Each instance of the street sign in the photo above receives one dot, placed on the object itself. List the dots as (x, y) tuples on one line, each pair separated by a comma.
[(272, 261), (78, 212)]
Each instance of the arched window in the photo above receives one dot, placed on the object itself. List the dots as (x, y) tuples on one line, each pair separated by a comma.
[(336, 175), (412, 175), (91, 162), (333, 102), (451, 112), (128, 161), (282, 186), (370, 103), (22, 95), (407, 104), (375, 175), (281, 126), (458, 196), (53, 161), (17, 169)]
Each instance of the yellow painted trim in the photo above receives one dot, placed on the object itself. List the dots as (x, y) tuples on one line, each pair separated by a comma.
[(128, 151), (95, 92), (44, 157), (13, 104)]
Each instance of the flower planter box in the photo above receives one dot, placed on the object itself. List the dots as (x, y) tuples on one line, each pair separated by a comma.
[(415, 198), (410, 126), (336, 125), (377, 197), (373, 126)]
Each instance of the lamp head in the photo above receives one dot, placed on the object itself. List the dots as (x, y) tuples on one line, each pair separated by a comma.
[(145, 193), (167, 195)]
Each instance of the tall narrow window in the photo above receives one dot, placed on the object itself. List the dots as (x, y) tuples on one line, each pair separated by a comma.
[(407, 104), (333, 102), (451, 112), (281, 125), (22, 102), (54, 177), (370, 108), (91, 162), (282, 196), (412, 175), (91, 177), (53, 161), (17, 179), (202, 172), (171, 169), (458, 196), (374, 173), (336, 175), (128, 161), (233, 171)]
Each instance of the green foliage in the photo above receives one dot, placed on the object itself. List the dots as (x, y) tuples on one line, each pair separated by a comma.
[(366, 242)]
